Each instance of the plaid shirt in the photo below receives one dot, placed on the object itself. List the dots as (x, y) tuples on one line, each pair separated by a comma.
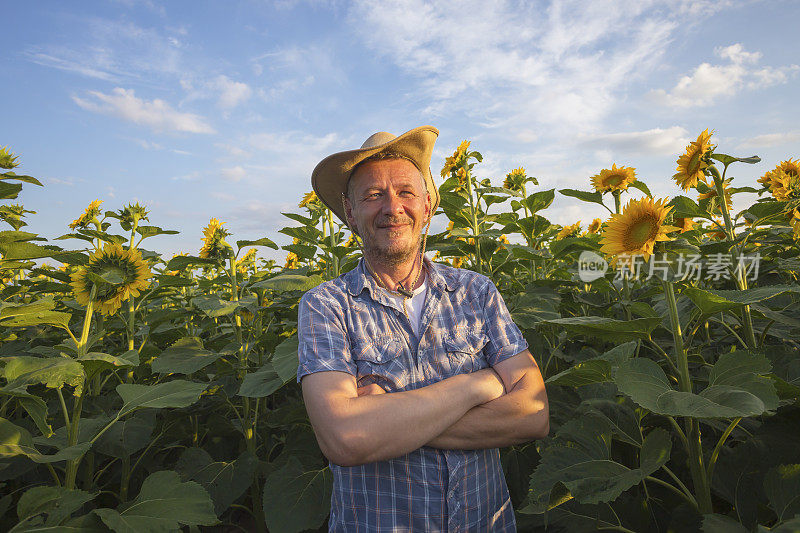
[(351, 325)]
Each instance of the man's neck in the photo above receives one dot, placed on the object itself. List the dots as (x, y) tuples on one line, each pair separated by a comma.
[(405, 273)]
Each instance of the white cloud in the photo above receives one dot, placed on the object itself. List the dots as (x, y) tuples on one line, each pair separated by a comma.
[(657, 141), (234, 173), (770, 139), (513, 65), (709, 82), (156, 114), (231, 93)]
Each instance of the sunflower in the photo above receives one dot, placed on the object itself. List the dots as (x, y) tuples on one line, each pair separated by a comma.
[(309, 200), (515, 180), (614, 179), (594, 227), (684, 224), (712, 193), (89, 216), (456, 160), (461, 174), (351, 241), (7, 159), (214, 245), (117, 273), (569, 231), (691, 164), (636, 230), (715, 232), (503, 240), (131, 214), (291, 260), (783, 185), (791, 167), (457, 262), (247, 260), (795, 223)]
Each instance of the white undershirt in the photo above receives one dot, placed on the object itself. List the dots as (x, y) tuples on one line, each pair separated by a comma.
[(414, 305)]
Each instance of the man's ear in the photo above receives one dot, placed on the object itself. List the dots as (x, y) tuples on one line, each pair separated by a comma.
[(348, 213)]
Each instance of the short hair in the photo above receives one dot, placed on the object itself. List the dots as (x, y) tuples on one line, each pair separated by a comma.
[(383, 156)]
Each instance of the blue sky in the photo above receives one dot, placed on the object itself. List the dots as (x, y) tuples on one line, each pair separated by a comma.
[(222, 109)]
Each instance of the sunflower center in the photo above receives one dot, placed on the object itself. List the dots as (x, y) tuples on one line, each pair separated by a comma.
[(694, 162), (641, 231), (614, 180)]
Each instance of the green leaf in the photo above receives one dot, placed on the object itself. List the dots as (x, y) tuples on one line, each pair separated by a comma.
[(33, 314), (683, 207), (608, 328), (540, 200), (760, 210), (295, 500), (104, 360), (580, 459), (224, 481), (177, 393), (711, 301), (162, 505), (782, 487), (289, 282), (622, 419), (128, 436), (284, 360), (642, 186), (20, 177), (717, 523), (152, 231), (728, 159), (592, 197), (58, 503), (9, 191), (258, 242), (213, 306), (53, 372), (261, 383), (186, 356), (735, 388), (585, 373), (166, 280), (15, 440), (180, 262)]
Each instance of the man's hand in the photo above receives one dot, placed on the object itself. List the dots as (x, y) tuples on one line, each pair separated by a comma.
[(372, 388)]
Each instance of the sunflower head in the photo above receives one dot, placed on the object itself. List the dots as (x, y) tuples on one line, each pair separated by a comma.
[(516, 180), (458, 262), (636, 230), (291, 260), (214, 245), (569, 231), (795, 223), (7, 159), (89, 216), (117, 274), (684, 224), (709, 192), (783, 185), (594, 227), (693, 162), (614, 179), (310, 200), (457, 160), (503, 239), (791, 167), (351, 241), (247, 260), (132, 214)]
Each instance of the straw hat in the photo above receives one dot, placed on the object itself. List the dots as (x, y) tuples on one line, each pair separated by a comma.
[(330, 176)]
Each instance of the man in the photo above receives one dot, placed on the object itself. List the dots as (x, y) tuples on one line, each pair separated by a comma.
[(413, 373)]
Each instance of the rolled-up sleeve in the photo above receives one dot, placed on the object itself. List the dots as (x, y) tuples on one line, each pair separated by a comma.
[(505, 338), (323, 344)]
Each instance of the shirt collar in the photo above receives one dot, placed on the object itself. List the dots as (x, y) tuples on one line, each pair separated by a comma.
[(360, 278)]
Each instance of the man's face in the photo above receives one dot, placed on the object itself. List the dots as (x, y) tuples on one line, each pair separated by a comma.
[(389, 206)]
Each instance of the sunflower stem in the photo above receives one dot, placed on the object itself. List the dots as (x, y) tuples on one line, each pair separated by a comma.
[(332, 237), (617, 201), (474, 213), (739, 275), (698, 471)]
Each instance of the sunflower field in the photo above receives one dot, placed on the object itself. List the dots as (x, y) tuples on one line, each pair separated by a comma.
[(145, 393)]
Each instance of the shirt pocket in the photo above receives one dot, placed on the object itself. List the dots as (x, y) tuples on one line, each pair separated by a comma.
[(383, 362), (464, 349)]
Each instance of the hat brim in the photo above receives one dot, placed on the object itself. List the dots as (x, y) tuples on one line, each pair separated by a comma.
[(329, 179)]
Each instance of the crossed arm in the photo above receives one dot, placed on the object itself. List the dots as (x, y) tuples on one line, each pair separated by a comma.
[(494, 407)]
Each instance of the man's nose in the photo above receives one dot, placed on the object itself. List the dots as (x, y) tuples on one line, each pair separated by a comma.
[(393, 204)]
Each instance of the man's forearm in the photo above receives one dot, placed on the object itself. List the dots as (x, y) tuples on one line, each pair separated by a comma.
[(383, 426), (520, 416)]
